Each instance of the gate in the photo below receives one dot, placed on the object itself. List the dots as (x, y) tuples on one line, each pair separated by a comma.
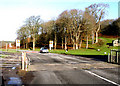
[(114, 56)]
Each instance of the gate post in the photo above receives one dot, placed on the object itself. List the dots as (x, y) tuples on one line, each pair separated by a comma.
[(23, 60), (108, 57), (111, 56)]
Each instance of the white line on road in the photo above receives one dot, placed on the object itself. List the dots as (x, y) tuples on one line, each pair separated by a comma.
[(102, 77)]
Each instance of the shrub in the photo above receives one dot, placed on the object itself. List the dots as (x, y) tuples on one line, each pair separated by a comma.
[(100, 43)]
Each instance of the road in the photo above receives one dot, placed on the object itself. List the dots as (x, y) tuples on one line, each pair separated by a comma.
[(52, 68)]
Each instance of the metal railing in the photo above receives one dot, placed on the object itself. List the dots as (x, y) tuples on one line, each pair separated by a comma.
[(114, 56)]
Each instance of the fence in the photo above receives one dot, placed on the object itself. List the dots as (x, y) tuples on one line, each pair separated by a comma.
[(25, 61), (114, 56)]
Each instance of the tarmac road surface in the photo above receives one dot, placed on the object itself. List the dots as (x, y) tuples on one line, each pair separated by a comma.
[(52, 68)]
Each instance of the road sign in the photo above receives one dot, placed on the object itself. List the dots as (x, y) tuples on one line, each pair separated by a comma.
[(10, 45), (50, 44), (18, 43)]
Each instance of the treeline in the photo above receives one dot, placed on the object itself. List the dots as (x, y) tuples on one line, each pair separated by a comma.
[(71, 26), (110, 27)]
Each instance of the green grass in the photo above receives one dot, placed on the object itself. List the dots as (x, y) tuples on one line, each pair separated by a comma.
[(37, 49), (92, 49), (2, 56), (9, 50)]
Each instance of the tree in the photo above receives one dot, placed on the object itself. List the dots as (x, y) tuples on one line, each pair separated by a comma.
[(22, 34), (33, 24), (62, 23), (98, 11), (111, 27), (88, 24), (75, 26)]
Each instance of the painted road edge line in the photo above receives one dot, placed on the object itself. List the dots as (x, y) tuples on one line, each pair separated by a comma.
[(102, 77)]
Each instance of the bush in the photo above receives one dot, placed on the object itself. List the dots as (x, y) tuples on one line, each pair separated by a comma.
[(100, 43)]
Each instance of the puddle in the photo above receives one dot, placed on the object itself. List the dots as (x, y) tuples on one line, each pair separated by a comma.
[(15, 80)]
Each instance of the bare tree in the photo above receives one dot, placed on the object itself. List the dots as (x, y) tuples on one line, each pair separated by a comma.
[(98, 11), (88, 24), (75, 26), (63, 21), (22, 34), (33, 23)]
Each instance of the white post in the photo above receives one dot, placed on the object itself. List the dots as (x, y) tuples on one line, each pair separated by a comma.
[(117, 56), (23, 61)]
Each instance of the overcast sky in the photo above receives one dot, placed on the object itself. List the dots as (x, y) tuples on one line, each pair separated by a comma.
[(13, 13)]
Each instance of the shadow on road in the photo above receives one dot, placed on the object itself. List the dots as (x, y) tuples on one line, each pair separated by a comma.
[(96, 57)]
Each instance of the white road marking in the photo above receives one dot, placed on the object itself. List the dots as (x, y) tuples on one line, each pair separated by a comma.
[(102, 78)]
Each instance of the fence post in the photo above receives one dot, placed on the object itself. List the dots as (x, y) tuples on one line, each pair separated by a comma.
[(22, 60), (26, 63), (108, 57), (111, 55), (119, 57)]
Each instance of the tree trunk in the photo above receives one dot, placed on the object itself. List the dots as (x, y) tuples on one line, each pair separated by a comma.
[(34, 42), (55, 41), (97, 33), (62, 43), (96, 37), (65, 43), (26, 43), (76, 41), (92, 37), (76, 45), (87, 43), (80, 44), (73, 46)]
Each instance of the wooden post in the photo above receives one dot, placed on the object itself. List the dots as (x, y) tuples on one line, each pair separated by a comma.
[(108, 57), (111, 55), (117, 56), (23, 60)]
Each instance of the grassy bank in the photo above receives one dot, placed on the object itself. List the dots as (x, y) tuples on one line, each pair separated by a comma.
[(93, 49), (9, 50)]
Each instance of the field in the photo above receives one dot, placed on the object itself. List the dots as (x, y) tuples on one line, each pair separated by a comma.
[(92, 50)]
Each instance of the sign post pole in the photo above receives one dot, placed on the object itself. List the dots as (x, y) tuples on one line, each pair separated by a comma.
[(17, 44), (22, 60)]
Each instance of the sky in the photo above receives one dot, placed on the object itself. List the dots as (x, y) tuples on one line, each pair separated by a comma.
[(13, 13)]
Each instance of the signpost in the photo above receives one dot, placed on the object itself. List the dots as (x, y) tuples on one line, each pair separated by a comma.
[(10, 45), (17, 44), (50, 44)]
